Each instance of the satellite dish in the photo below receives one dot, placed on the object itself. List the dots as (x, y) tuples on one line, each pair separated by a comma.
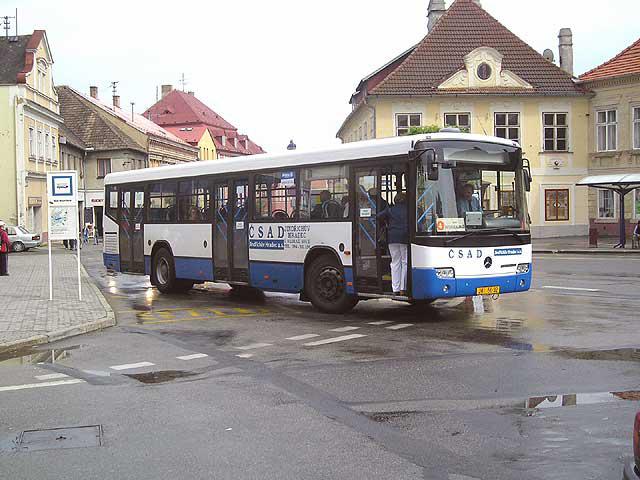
[(548, 55)]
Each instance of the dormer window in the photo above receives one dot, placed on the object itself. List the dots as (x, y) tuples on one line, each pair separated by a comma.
[(484, 71), (224, 140)]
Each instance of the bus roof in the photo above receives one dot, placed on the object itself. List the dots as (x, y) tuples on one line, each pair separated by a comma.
[(386, 147)]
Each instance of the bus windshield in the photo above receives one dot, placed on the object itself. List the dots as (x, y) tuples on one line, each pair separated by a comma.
[(480, 186)]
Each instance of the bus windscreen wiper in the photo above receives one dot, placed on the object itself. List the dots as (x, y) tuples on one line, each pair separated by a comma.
[(480, 232)]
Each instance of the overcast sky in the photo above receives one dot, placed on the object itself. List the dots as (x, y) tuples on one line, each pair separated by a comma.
[(281, 69)]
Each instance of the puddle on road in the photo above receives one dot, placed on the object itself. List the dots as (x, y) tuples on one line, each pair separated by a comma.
[(160, 376), (32, 355), (616, 354), (389, 417), (575, 399)]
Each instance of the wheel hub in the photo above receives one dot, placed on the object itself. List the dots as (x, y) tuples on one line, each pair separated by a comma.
[(330, 283), (162, 271)]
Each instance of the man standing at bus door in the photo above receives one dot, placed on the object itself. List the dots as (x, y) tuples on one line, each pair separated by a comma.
[(467, 202), (398, 236)]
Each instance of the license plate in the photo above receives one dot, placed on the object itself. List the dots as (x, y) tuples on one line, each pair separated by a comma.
[(488, 291)]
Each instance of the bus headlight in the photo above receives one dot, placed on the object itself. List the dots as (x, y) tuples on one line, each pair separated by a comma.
[(522, 268), (445, 273)]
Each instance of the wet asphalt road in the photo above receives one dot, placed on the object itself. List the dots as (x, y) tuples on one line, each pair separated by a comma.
[(211, 385)]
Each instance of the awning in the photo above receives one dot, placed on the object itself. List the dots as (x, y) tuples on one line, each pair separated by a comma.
[(617, 181), (622, 183)]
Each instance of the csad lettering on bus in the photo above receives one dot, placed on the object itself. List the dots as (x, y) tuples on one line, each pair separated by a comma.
[(266, 237)]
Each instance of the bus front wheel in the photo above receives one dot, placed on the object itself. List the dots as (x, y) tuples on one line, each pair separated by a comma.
[(326, 287), (164, 274)]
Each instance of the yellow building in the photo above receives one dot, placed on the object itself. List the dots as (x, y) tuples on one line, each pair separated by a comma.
[(471, 72), (614, 135), (29, 124)]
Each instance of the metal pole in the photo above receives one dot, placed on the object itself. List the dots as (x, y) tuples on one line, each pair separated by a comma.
[(79, 278), (50, 260), (623, 233)]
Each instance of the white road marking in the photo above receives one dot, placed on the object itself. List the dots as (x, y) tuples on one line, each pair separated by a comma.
[(399, 326), (334, 340), (245, 355), (129, 366), (380, 322), (11, 388), (251, 346), (304, 337), (344, 329), (192, 356), (572, 288), (51, 376)]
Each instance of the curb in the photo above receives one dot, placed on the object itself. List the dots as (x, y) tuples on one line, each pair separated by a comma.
[(589, 251), (108, 321)]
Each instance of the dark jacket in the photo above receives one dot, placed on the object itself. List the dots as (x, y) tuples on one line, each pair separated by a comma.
[(397, 225)]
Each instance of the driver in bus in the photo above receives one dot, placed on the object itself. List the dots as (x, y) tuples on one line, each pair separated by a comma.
[(467, 202)]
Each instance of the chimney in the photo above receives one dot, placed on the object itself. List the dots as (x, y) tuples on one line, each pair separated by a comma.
[(166, 89), (435, 11), (192, 93), (93, 91), (565, 48), (116, 101)]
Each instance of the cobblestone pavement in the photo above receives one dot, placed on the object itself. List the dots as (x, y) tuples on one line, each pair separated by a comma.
[(26, 314)]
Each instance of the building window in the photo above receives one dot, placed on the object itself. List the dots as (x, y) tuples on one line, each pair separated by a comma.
[(404, 122), (556, 205), (360, 133), (46, 146), (40, 150), (636, 203), (606, 204), (607, 130), (458, 120), (104, 167), (636, 128), (365, 131), (276, 195), (31, 152), (507, 125), (53, 149), (555, 132)]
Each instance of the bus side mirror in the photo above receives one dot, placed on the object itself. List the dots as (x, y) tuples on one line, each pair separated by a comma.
[(527, 174), (429, 159)]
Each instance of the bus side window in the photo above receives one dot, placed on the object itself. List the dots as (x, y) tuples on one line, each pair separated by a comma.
[(275, 195), (112, 201), (325, 193), (162, 202), (193, 201)]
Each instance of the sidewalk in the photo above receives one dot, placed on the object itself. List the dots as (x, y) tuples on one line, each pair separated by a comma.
[(27, 317), (581, 245)]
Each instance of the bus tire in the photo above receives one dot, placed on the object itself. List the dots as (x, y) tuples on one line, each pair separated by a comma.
[(164, 272), (326, 286)]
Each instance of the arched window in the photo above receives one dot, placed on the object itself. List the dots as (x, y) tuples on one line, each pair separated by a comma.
[(41, 79)]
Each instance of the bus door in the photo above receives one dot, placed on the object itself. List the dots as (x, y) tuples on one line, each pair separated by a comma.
[(132, 230), (376, 189), (230, 248)]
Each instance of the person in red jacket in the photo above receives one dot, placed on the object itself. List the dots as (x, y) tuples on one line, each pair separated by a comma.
[(5, 245)]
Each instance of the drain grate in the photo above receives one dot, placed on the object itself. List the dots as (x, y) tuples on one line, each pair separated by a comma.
[(59, 438)]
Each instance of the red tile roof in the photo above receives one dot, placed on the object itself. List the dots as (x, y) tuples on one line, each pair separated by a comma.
[(179, 108), (187, 117), (463, 28), (626, 62)]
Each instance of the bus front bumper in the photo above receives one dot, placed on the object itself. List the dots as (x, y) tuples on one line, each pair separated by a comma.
[(426, 285)]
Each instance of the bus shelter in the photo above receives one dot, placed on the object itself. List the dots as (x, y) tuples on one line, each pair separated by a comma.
[(622, 184)]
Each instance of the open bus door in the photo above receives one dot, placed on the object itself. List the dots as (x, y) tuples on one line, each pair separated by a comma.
[(376, 188)]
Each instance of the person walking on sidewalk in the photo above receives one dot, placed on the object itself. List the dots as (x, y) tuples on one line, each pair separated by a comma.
[(396, 220), (5, 245)]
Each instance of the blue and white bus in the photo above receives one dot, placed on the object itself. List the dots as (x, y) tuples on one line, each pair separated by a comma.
[(307, 222)]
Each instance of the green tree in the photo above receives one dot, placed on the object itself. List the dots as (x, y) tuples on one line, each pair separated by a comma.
[(424, 129)]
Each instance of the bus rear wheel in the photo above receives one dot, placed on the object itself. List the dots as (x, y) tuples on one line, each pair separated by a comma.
[(164, 274), (326, 287)]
